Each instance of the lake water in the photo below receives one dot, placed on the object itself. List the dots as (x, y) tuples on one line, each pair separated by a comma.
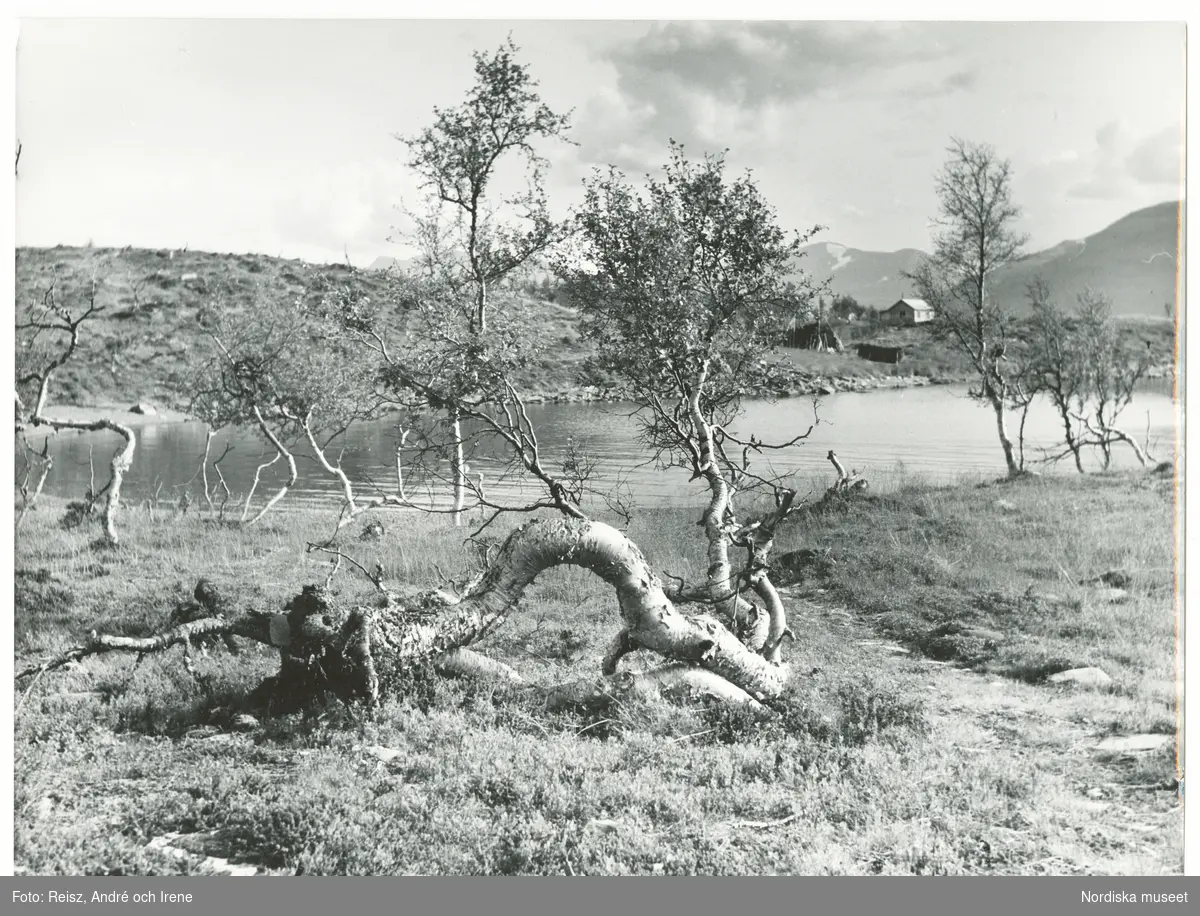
[(935, 431)]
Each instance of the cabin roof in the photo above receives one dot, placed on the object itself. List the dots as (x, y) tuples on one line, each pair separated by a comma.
[(919, 305)]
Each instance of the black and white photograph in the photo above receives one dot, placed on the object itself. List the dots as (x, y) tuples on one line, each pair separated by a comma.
[(591, 447)]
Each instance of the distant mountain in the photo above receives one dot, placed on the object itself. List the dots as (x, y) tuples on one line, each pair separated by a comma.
[(386, 263), (1133, 261), (874, 278)]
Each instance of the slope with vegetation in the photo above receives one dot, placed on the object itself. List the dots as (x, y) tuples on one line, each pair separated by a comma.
[(154, 301), (154, 298)]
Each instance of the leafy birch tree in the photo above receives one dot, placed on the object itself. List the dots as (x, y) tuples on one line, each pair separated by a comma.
[(471, 237), (683, 286)]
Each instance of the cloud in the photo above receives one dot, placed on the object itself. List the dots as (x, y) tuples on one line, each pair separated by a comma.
[(711, 84), (1157, 159), (1122, 165), (958, 81), (755, 64), (345, 204)]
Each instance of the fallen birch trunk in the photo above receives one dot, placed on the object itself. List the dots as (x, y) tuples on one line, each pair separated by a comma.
[(364, 653)]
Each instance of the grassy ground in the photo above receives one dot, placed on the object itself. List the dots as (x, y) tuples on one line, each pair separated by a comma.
[(927, 357), (920, 735)]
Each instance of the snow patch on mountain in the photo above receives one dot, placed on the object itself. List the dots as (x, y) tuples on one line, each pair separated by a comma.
[(838, 253)]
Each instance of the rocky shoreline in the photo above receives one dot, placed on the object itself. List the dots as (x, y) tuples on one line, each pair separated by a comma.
[(802, 385), (798, 385)]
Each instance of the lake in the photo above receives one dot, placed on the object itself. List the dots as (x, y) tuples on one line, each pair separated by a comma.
[(936, 432)]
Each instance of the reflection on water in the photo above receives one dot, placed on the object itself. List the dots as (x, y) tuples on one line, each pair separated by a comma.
[(934, 431)]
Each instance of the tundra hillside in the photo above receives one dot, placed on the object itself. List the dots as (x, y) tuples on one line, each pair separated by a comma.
[(155, 299), (924, 732)]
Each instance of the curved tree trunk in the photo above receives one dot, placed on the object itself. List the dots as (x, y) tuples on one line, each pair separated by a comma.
[(721, 592), (280, 452), (1010, 459), (365, 652), (121, 462)]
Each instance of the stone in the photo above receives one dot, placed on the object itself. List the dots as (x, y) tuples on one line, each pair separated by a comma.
[(199, 845), (1092, 677), (244, 723), (1132, 744), (386, 754), (1112, 595), (1004, 505)]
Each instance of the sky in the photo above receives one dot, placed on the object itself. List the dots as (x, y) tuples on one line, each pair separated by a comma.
[(279, 136)]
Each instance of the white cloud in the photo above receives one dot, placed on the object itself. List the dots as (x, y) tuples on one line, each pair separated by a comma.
[(1158, 159), (1121, 164)]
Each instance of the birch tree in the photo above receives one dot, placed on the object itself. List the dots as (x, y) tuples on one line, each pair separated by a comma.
[(1054, 366), (976, 235), (1087, 369), (1112, 369), (471, 237), (50, 333), (683, 286)]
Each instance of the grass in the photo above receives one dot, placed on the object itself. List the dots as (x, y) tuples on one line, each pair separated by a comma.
[(882, 761), (927, 357)]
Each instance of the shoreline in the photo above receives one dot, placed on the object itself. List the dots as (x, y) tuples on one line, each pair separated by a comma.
[(802, 384), (586, 394)]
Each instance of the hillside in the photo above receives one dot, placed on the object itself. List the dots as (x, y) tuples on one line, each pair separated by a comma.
[(1133, 261), (873, 278), (151, 299)]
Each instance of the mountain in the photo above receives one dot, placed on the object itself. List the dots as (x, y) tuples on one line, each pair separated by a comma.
[(385, 263), (1133, 261), (874, 278)]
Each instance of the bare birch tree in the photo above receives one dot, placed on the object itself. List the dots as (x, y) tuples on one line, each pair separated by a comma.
[(284, 370), (1055, 366), (1087, 369), (49, 335), (975, 236), (1112, 369)]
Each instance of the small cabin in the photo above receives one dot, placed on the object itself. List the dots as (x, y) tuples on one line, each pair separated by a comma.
[(909, 312)]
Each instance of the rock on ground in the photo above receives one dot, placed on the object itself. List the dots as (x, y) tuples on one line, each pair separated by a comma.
[(1089, 676)]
